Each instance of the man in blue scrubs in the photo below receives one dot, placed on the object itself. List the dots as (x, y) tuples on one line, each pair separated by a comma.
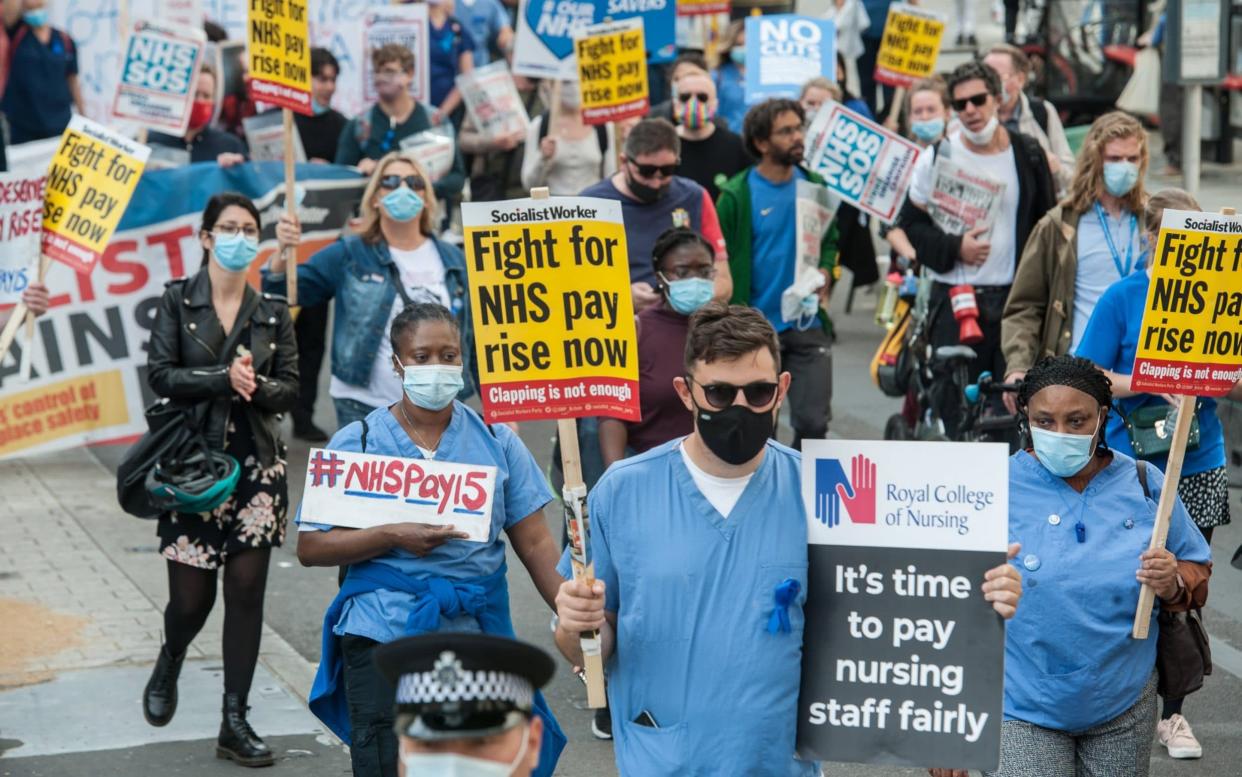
[(42, 90)]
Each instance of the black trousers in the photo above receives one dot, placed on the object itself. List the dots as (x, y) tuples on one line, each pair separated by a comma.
[(807, 357), (311, 330), (373, 751), (946, 397)]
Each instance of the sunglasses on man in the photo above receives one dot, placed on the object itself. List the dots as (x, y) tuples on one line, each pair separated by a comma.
[(415, 182), (649, 171), (703, 96), (976, 100), (720, 395)]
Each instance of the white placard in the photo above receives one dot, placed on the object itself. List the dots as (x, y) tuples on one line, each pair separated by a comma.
[(962, 199)]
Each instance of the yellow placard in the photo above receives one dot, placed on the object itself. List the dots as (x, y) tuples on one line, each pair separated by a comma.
[(1191, 338), (612, 70), (69, 407), (553, 317), (278, 35), (89, 183), (910, 45)]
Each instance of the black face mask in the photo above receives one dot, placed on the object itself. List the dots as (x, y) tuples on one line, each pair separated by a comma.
[(735, 434), (645, 193)]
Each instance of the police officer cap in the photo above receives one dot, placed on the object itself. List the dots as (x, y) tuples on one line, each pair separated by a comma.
[(452, 685)]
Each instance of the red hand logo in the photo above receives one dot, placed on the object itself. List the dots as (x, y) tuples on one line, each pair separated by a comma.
[(860, 498)]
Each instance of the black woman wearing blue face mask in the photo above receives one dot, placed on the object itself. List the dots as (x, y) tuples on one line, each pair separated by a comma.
[(238, 398), (411, 578), (394, 261)]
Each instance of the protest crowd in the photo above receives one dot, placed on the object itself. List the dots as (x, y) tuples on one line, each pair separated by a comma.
[(636, 231)]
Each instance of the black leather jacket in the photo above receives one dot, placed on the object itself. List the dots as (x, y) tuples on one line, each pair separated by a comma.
[(183, 362)]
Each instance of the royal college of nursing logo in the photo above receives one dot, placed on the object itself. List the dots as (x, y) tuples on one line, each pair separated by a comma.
[(833, 490)]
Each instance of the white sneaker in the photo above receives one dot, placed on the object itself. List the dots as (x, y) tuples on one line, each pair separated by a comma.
[(1175, 734)]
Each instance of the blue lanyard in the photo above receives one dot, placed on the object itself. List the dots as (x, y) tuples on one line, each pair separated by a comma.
[(1112, 246)]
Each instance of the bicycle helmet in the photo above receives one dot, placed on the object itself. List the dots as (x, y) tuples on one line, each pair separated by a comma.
[(198, 483)]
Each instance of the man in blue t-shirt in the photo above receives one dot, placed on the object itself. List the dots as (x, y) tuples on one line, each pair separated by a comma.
[(758, 215), (42, 71)]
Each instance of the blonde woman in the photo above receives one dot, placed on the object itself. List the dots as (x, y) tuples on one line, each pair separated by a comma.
[(394, 261)]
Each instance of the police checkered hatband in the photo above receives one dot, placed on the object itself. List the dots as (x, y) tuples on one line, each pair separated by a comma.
[(448, 682)]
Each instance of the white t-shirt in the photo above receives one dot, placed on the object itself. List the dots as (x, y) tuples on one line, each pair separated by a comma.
[(723, 493), (1002, 259), (422, 274)]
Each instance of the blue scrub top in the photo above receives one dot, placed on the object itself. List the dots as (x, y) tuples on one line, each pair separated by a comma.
[(731, 95), (774, 249), (693, 592), (1070, 662), (1111, 341), (485, 19), (37, 101), (447, 44), (520, 491)]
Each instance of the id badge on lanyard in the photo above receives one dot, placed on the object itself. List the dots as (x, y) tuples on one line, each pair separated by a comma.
[(1122, 270)]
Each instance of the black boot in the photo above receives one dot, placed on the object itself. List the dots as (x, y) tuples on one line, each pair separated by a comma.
[(238, 741), (159, 698)]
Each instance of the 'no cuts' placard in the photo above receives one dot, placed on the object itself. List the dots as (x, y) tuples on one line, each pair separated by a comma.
[(279, 52), (903, 659), (553, 318), (1191, 338), (861, 162), (785, 51), (89, 184), (361, 490), (158, 77)]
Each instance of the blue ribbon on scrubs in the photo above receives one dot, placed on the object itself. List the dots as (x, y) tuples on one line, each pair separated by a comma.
[(784, 594), (486, 598)]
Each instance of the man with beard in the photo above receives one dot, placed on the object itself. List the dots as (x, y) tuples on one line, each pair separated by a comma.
[(394, 117), (758, 215), (653, 200)]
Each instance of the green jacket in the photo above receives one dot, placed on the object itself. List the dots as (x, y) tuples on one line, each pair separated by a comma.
[(733, 210)]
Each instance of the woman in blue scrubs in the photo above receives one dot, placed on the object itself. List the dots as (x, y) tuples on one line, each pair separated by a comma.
[(411, 578), (1080, 692)]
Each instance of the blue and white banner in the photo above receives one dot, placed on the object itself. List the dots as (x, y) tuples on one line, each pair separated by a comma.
[(785, 51), (544, 46), (158, 77)]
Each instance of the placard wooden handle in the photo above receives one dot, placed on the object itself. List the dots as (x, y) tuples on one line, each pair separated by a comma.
[(291, 206)]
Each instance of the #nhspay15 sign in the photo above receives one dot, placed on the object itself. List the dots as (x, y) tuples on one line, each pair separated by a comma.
[(158, 77), (910, 45), (361, 490), (903, 658), (1191, 337), (612, 71), (553, 317)]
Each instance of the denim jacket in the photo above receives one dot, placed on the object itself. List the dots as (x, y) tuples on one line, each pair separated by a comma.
[(358, 275)]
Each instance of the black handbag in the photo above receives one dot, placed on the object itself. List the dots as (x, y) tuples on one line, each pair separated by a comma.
[(1183, 653), (174, 429), (1150, 434)]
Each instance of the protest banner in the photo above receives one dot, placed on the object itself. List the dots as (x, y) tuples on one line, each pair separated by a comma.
[(962, 199), (88, 381), (910, 45), (361, 490), (549, 343), (89, 184), (158, 77), (265, 138), (1190, 341), (815, 209), (702, 7), (279, 53), (21, 216), (785, 51), (903, 658), (492, 100), (544, 36), (861, 162), (612, 71), (405, 25)]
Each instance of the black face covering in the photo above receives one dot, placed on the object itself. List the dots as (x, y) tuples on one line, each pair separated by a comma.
[(645, 193), (735, 434)]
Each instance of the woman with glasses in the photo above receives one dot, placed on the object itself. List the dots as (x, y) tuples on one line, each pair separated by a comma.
[(394, 261), (238, 398)]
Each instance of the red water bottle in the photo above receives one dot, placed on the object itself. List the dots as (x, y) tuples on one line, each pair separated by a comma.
[(966, 311)]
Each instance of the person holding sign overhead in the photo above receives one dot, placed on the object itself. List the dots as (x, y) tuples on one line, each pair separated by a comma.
[(395, 261), (1080, 692), (1111, 342), (228, 352), (700, 553), (42, 70), (414, 578), (204, 142)]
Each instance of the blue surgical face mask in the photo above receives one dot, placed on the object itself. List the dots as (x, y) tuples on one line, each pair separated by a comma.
[(1064, 455), (36, 17), (432, 386), (929, 130), (402, 204), (318, 109), (689, 294), (737, 55), (1120, 177), (234, 252)]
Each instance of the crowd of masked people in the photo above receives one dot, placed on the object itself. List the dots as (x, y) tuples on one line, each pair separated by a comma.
[(696, 511)]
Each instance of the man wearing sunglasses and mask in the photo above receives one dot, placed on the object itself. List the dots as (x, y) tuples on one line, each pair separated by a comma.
[(700, 557), (710, 153), (985, 257), (653, 199)]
